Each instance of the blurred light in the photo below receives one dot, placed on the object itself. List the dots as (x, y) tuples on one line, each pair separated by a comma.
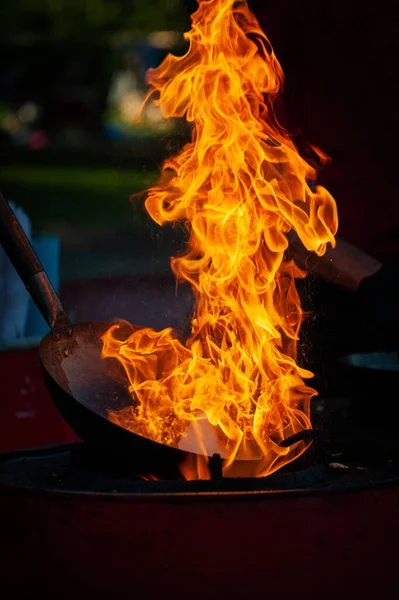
[(153, 114), (38, 140), (28, 112), (163, 39), (11, 124), (130, 105)]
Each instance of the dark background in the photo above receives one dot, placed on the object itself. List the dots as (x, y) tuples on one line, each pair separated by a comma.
[(342, 91)]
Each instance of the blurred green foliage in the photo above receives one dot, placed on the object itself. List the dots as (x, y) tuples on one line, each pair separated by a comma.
[(77, 195), (57, 20)]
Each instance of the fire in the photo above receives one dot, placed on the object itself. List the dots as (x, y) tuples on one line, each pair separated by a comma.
[(240, 185)]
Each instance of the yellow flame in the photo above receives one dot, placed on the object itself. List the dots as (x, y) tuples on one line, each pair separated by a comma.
[(240, 185)]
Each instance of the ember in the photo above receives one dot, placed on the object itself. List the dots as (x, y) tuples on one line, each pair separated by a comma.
[(234, 387)]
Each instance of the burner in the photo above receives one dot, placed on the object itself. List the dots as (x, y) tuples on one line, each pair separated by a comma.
[(79, 469)]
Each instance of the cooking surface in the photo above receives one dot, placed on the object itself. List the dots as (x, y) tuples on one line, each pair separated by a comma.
[(73, 468)]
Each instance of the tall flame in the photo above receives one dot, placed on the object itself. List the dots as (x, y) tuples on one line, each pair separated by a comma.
[(240, 185)]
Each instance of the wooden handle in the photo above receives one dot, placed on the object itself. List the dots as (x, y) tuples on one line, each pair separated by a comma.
[(20, 252), (16, 245)]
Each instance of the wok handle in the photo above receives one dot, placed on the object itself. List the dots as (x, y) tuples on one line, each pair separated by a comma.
[(20, 252)]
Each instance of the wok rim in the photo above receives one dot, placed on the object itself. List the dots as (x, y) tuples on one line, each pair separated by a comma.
[(345, 360)]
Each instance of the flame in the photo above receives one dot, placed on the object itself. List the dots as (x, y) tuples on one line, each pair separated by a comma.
[(240, 185)]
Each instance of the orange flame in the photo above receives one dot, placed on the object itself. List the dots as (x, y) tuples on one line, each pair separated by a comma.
[(234, 386)]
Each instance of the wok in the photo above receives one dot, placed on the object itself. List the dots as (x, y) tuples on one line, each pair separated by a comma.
[(84, 386)]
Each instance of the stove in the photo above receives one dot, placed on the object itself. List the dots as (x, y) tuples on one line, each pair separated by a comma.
[(76, 525)]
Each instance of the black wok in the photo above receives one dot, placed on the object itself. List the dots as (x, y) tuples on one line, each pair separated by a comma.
[(84, 386)]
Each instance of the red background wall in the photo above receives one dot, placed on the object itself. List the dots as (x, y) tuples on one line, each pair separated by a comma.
[(341, 61)]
